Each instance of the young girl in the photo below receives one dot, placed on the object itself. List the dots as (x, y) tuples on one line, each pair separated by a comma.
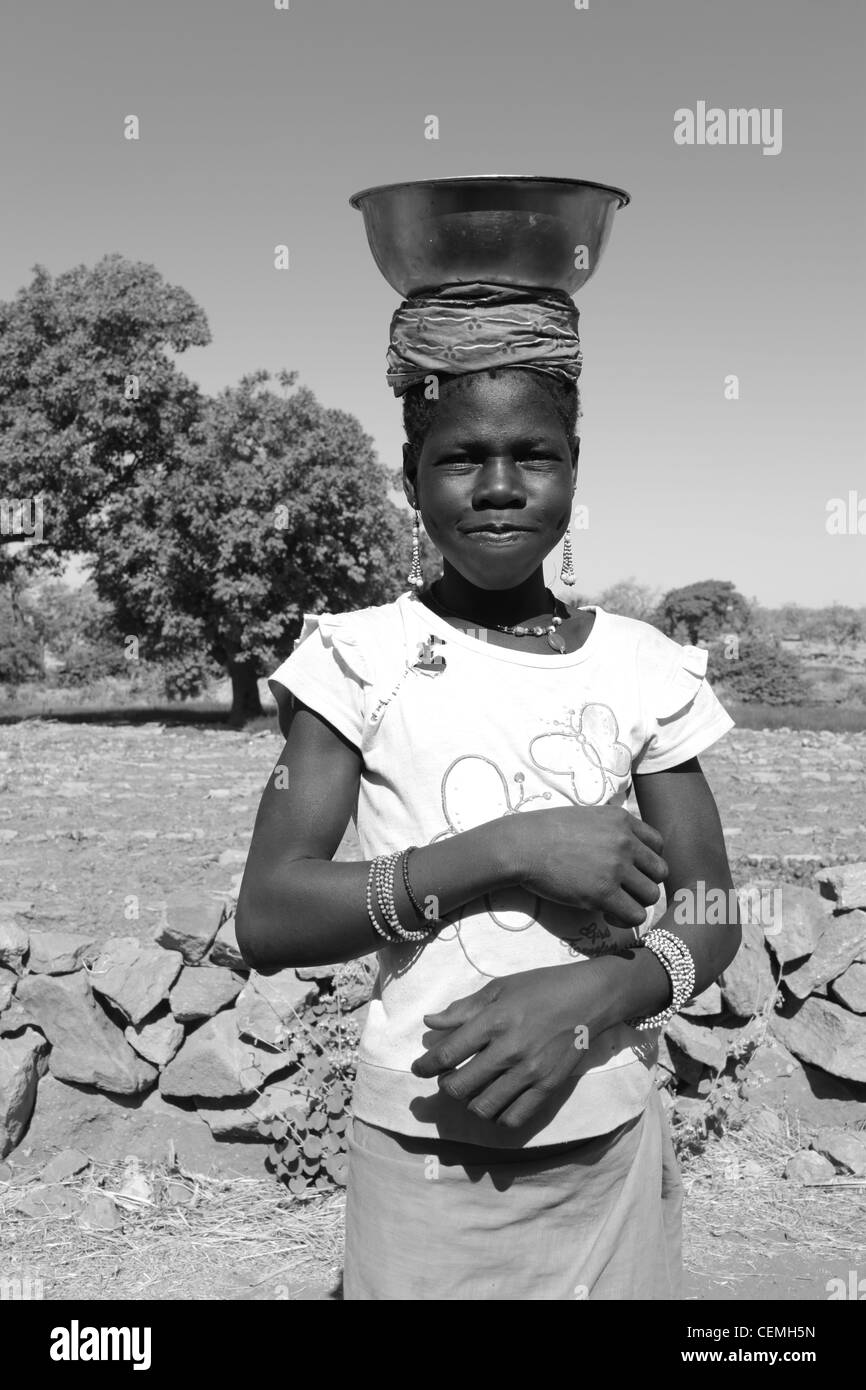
[(524, 780)]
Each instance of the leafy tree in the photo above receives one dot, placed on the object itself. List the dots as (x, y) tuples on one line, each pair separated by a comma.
[(699, 612), (759, 670), (71, 351), (630, 599), (269, 507)]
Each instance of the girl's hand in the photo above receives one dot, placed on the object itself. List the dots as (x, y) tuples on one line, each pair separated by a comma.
[(525, 1034), (600, 858)]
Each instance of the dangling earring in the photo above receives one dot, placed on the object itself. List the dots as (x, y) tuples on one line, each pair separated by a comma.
[(567, 571), (415, 577)]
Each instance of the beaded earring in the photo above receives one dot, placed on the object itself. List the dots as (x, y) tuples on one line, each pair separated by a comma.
[(415, 577), (567, 571)]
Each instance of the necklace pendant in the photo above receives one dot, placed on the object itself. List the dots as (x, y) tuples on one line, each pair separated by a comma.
[(555, 641)]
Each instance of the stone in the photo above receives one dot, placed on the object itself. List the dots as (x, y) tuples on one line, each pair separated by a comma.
[(749, 982), (242, 1122), (85, 1045), (845, 885), (47, 1200), (200, 991), (59, 952), (109, 1130), (849, 988), (233, 857), (15, 1018), (317, 972), (808, 1167), (134, 977), (768, 1062), (844, 1148), (702, 1044), (708, 1002), (225, 950), (798, 921), (99, 1213), (8, 981), (825, 1035), (267, 1007), (766, 1124), (840, 944), (14, 945), (355, 982), (19, 1078), (65, 1165), (215, 1064), (192, 918), (157, 1038)]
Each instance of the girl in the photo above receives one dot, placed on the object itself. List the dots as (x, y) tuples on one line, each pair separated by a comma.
[(524, 780)]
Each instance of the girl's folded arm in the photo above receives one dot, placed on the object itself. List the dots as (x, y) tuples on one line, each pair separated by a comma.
[(679, 804), (298, 908)]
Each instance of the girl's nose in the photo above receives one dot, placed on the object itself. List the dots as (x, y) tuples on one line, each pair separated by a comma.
[(499, 483)]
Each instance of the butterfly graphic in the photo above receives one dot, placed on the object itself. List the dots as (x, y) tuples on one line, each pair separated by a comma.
[(588, 753)]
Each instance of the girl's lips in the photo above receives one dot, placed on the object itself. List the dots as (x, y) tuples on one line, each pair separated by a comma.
[(497, 537)]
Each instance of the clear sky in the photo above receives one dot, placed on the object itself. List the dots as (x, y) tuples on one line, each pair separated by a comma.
[(257, 124)]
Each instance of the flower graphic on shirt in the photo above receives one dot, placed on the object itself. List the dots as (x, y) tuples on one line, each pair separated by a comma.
[(474, 791), (588, 752)]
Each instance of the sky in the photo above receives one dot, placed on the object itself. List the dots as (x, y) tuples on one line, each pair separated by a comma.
[(257, 124)]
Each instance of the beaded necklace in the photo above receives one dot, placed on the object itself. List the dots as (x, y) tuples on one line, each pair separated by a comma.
[(554, 641)]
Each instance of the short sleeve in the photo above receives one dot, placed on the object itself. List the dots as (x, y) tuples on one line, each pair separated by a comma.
[(683, 716), (328, 671)]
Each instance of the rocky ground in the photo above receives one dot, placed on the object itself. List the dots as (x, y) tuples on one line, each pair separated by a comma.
[(101, 824)]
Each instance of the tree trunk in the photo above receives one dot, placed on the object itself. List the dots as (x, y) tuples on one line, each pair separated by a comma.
[(245, 692)]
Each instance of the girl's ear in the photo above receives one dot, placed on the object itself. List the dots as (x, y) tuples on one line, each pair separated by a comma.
[(408, 477)]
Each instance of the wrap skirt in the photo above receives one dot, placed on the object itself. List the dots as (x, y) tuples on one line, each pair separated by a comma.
[(598, 1219)]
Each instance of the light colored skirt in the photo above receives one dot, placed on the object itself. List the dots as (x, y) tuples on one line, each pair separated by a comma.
[(599, 1219)]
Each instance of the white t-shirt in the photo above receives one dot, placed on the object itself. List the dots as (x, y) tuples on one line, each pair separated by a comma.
[(495, 732)]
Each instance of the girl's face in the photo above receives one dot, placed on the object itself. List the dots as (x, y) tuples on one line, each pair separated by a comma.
[(495, 456)]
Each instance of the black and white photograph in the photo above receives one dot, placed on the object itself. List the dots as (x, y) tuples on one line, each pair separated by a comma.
[(432, 668)]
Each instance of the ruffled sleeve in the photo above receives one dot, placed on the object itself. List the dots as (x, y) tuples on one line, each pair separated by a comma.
[(329, 671), (682, 714)]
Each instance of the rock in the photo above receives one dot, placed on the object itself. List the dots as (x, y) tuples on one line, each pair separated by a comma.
[(748, 982), (849, 988), (100, 1214), (242, 1122), (267, 1006), (798, 921), (317, 972), (355, 982), (808, 1167), (690, 1110), (844, 1148), (225, 950), (827, 1036), (192, 918), (14, 945), (59, 952), (110, 1130), (48, 1200), (766, 1124), (85, 1045), (18, 1081), (215, 1063), (134, 977), (845, 885), (200, 991), (157, 1038), (65, 1165), (14, 1019), (8, 981), (769, 1061), (233, 857), (705, 1004), (840, 944), (701, 1044)]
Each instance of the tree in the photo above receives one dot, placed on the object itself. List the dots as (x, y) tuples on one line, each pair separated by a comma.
[(761, 671), (269, 507), (630, 599), (73, 350), (700, 612)]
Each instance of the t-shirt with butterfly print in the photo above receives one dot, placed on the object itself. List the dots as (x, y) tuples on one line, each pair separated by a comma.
[(455, 731)]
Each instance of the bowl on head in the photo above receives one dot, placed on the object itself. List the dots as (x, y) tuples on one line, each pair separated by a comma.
[(521, 229)]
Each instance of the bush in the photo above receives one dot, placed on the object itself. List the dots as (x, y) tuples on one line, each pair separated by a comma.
[(761, 671)]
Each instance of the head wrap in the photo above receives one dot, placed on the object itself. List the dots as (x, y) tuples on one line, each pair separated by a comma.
[(471, 328)]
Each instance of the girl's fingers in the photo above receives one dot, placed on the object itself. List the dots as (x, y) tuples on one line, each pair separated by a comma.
[(473, 1077), (650, 863), (623, 910), (648, 834), (641, 888), (457, 1047)]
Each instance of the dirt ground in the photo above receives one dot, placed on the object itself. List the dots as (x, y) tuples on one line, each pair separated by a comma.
[(100, 821)]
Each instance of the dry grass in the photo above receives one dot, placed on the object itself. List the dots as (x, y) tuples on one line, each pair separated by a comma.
[(238, 1238)]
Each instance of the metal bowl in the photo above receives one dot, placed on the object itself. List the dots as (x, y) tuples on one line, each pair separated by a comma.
[(520, 229)]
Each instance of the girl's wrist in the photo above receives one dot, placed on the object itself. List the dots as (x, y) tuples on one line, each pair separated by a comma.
[(630, 985)]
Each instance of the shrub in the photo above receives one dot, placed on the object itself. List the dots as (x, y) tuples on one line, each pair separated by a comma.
[(761, 671)]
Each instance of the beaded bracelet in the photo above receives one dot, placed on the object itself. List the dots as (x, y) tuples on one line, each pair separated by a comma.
[(393, 932), (409, 891), (679, 963), (382, 931)]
